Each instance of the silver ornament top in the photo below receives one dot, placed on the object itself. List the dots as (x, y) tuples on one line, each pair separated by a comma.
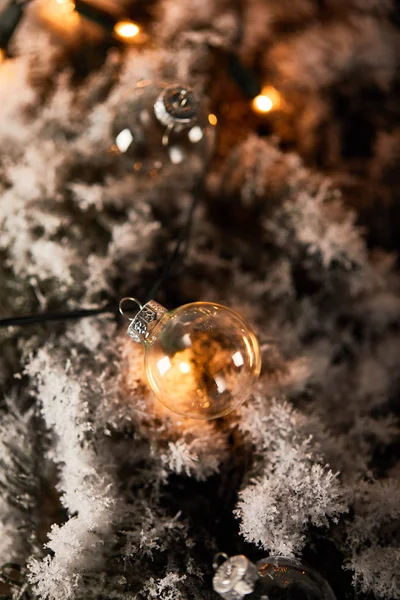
[(177, 105), (235, 578), (141, 327)]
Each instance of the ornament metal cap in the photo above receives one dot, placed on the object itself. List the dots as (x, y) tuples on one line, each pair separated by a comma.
[(177, 105), (235, 578), (142, 325)]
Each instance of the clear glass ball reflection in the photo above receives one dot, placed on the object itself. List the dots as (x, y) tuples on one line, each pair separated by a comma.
[(202, 360), (159, 127)]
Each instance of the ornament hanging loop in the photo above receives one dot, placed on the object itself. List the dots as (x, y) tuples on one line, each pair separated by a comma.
[(124, 301)]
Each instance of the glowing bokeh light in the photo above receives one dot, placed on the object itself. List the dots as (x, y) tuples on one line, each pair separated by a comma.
[(126, 30), (66, 5), (268, 100)]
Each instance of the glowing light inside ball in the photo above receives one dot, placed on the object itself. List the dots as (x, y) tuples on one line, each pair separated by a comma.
[(268, 100)]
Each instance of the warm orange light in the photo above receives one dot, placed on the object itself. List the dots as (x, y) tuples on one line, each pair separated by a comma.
[(143, 83), (2, 55), (212, 119), (262, 104), (268, 100), (66, 5), (60, 16), (126, 30)]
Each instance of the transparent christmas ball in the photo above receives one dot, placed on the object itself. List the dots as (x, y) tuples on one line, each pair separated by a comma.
[(201, 359), (160, 128), (287, 578), (272, 578)]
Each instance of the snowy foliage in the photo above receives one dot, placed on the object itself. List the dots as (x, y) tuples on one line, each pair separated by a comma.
[(377, 514), (19, 483), (291, 489), (104, 493), (86, 481), (377, 569), (165, 588)]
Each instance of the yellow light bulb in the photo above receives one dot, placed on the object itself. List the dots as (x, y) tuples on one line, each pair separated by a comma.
[(268, 100), (126, 30), (212, 119), (60, 16), (201, 359), (66, 5)]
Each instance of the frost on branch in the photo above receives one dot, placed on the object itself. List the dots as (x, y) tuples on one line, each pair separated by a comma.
[(87, 480), (19, 483), (166, 588), (289, 489), (374, 538), (377, 570)]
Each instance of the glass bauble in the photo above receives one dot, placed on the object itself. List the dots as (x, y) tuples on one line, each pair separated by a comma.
[(289, 579), (163, 128), (273, 578), (201, 359)]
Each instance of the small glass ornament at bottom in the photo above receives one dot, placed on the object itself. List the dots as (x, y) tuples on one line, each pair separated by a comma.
[(201, 359), (272, 578)]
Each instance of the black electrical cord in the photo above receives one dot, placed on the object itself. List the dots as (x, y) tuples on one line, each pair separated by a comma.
[(96, 15), (182, 237), (12, 13), (111, 307), (10, 18), (64, 315)]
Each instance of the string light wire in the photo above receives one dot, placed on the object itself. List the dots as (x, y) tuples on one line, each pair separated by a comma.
[(112, 306), (124, 30), (10, 18)]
